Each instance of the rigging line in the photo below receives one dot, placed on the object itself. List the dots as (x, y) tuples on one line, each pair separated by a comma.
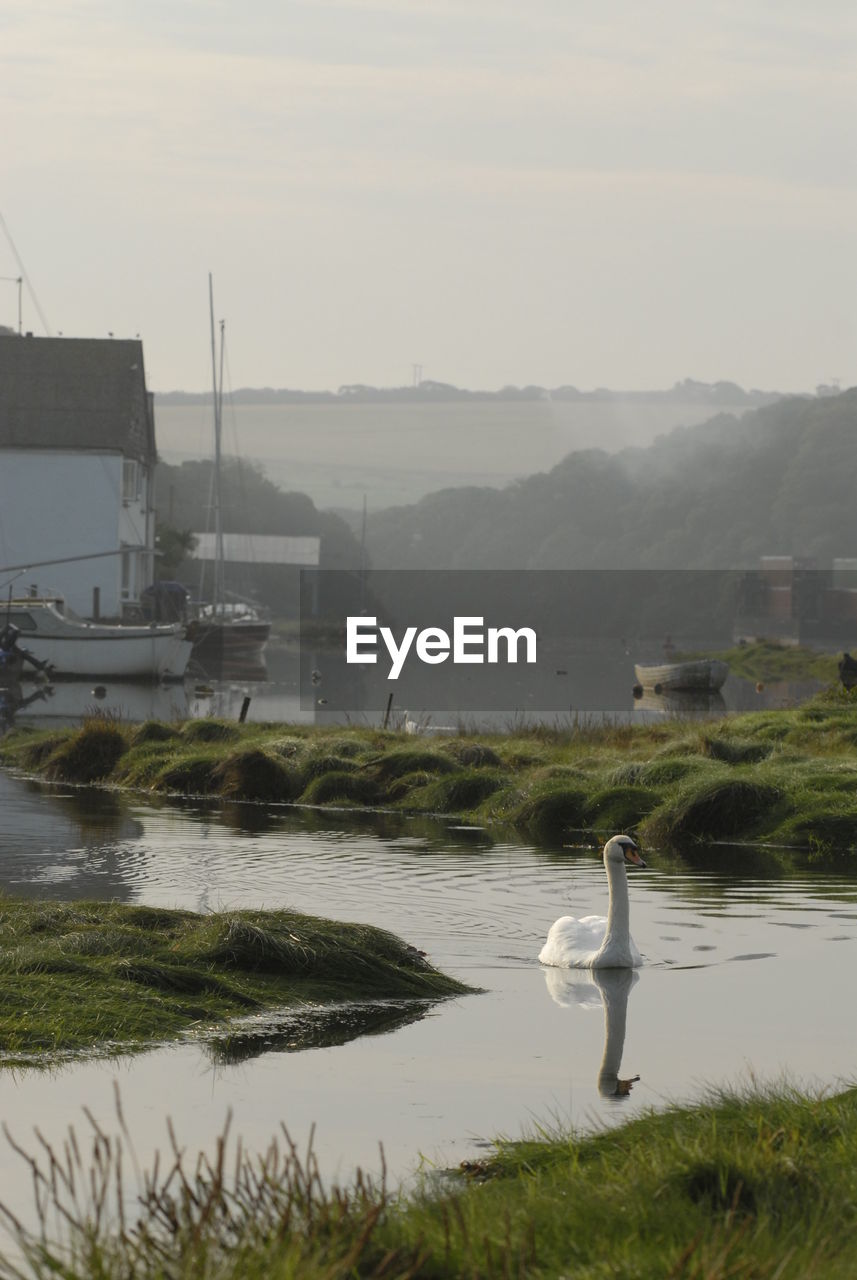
[(25, 277), (209, 509), (43, 564)]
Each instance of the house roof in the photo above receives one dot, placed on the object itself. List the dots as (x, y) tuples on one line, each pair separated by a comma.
[(75, 393)]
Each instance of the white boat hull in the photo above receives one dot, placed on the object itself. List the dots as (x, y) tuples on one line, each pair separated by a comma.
[(74, 647)]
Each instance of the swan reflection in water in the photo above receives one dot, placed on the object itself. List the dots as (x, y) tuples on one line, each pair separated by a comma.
[(609, 989)]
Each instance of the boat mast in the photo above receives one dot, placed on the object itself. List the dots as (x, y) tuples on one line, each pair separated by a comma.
[(217, 393)]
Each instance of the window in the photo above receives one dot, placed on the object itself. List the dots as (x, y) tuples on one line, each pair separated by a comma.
[(130, 480), (126, 575), (23, 621)]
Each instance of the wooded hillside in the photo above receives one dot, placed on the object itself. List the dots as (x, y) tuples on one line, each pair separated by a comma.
[(781, 480)]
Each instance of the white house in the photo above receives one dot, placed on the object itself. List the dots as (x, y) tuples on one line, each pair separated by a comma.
[(77, 458)]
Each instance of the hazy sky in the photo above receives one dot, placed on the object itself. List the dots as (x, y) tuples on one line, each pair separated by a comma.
[(617, 194)]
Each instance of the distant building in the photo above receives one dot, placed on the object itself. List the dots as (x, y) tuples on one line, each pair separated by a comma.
[(260, 548), (77, 457), (790, 600)]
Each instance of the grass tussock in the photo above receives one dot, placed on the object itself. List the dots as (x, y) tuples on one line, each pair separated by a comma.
[(35, 749), (399, 761), (191, 775), (255, 775), (549, 813), (753, 1187), (475, 755), (83, 975), (718, 809), (732, 750), (459, 792), (787, 776), (316, 764), (342, 786), (209, 730), (89, 755), (153, 731), (620, 808)]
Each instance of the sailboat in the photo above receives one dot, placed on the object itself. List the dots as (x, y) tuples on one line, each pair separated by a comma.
[(224, 632)]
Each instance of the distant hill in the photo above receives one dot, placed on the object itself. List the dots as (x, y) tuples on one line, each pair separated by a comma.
[(717, 394), (781, 479)]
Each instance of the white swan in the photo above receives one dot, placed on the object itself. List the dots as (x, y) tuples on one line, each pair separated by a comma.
[(596, 942)]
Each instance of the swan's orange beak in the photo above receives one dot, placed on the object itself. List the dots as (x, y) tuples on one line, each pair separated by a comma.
[(632, 856)]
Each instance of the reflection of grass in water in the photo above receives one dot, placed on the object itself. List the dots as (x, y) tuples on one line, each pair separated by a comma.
[(78, 975), (774, 775), (309, 1028), (760, 1185)]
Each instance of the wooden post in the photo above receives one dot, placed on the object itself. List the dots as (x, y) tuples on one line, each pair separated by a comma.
[(387, 712)]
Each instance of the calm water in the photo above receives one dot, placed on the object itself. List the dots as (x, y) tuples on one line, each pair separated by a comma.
[(590, 682), (749, 970)]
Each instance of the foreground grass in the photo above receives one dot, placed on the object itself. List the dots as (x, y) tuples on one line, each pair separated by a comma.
[(785, 776), (82, 975), (754, 1186)]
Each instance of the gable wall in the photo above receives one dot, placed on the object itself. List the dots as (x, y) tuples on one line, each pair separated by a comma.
[(62, 503)]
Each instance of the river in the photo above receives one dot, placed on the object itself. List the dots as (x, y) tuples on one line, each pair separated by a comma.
[(749, 957)]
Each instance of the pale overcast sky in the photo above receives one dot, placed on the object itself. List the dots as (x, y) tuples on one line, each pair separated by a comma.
[(616, 194)]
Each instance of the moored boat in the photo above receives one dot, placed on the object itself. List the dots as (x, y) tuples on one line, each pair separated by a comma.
[(702, 674), (223, 631), (72, 646), (232, 631)]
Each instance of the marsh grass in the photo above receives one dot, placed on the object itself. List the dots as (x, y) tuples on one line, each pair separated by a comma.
[(317, 763), (342, 785), (475, 755), (775, 776), (153, 731), (89, 755), (549, 811), (401, 760), (209, 730), (620, 808), (255, 775), (742, 1186), (717, 809), (81, 975), (191, 774), (767, 660), (460, 791)]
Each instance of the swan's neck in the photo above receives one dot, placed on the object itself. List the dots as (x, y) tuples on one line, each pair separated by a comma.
[(618, 913)]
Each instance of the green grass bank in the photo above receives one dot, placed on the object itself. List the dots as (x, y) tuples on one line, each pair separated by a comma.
[(79, 976), (785, 776), (754, 1186), (770, 661)]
